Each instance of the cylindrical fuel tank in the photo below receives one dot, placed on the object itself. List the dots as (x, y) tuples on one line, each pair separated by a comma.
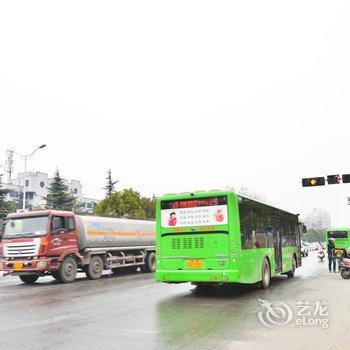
[(95, 232)]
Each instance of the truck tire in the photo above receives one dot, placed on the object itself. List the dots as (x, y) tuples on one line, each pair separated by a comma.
[(265, 274), (94, 270), (56, 275), (68, 270), (29, 279), (150, 263)]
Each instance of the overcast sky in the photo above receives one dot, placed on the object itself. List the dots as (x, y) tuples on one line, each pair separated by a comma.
[(181, 95)]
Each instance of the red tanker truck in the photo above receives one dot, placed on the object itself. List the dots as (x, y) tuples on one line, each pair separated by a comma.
[(61, 243)]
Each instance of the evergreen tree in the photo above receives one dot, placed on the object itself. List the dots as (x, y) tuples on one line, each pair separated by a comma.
[(19, 200), (109, 188), (58, 196), (5, 205)]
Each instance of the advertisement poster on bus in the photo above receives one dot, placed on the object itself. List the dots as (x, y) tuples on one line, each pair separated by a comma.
[(194, 213)]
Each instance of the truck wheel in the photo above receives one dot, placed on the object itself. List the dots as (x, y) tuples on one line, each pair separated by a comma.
[(56, 275), (150, 263), (29, 279), (95, 268), (68, 270), (265, 274), (291, 273)]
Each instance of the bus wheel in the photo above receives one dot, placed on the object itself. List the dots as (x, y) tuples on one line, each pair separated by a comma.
[(265, 274), (150, 263), (29, 279), (291, 273), (95, 268), (68, 270)]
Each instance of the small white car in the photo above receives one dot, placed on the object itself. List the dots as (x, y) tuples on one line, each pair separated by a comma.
[(304, 248)]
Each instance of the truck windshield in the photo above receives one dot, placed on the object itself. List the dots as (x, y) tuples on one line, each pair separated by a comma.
[(26, 227)]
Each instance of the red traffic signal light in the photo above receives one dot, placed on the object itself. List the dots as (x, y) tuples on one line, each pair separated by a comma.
[(313, 181), (346, 178), (333, 179)]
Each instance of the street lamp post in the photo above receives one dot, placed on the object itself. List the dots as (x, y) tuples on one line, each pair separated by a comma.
[(26, 157)]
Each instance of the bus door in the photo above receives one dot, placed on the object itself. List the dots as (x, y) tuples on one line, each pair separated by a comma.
[(278, 250), (298, 243)]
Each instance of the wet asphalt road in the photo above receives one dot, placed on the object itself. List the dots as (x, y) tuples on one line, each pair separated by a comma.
[(135, 312)]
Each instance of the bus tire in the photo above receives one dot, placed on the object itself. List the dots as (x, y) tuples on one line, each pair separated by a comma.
[(265, 274), (68, 270), (94, 270), (29, 279), (291, 273), (150, 263)]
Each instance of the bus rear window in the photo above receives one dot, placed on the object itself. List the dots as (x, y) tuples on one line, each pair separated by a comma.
[(337, 234), (194, 212)]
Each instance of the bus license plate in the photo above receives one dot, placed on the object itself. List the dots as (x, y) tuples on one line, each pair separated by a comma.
[(17, 265), (194, 264)]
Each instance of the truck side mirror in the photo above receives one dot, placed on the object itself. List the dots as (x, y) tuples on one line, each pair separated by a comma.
[(303, 229)]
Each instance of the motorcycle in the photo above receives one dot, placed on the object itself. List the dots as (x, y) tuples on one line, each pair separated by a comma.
[(344, 268), (321, 255)]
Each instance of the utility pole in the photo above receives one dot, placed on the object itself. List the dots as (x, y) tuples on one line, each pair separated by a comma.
[(9, 164), (26, 157)]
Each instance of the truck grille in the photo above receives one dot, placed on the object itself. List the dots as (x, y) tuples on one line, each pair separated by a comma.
[(14, 250), (187, 243)]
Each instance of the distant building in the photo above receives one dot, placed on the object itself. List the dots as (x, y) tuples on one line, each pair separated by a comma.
[(36, 185), (318, 219)]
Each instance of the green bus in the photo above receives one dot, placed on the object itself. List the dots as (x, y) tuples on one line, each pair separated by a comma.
[(341, 239), (220, 236)]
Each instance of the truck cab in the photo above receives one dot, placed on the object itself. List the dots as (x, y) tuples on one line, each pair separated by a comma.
[(33, 243)]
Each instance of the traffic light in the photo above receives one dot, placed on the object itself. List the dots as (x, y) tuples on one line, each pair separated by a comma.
[(346, 178), (313, 181), (333, 179)]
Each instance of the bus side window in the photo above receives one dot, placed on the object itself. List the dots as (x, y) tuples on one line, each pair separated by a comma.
[(261, 234), (246, 219)]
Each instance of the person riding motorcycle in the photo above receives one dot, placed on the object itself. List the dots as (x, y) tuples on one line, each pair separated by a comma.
[(320, 251), (320, 246)]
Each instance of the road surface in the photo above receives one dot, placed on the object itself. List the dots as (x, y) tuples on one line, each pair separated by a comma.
[(135, 312)]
